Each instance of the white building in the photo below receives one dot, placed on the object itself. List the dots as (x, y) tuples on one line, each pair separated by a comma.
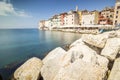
[(116, 20), (56, 21), (89, 18), (71, 19)]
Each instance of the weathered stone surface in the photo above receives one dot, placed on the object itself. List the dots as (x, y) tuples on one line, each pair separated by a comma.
[(118, 33), (86, 54), (111, 48), (52, 63), (82, 63), (99, 40), (77, 42), (115, 72), (30, 70), (95, 40), (80, 70)]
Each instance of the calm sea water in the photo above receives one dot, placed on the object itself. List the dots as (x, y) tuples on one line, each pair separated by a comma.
[(17, 45)]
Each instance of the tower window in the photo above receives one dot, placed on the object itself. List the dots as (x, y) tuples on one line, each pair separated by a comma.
[(116, 12), (118, 7), (116, 16)]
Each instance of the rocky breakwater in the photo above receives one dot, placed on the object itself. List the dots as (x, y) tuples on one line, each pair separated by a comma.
[(92, 57)]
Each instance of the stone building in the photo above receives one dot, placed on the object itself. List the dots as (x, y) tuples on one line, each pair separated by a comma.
[(89, 18), (72, 18), (106, 16), (116, 20)]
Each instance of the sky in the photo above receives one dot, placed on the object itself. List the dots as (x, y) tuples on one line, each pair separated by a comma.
[(27, 13)]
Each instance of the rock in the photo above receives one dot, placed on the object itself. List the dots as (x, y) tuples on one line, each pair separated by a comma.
[(82, 63), (118, 33), (80, 70), (77, 42), (111, 48), (30, 70), (115, 72), (95, 40), (52, 63), (84, 53), (98, 40)]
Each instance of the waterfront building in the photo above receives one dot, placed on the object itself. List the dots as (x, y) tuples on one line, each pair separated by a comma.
[(89, 18), (106, 16), (56, 21), (62, 16), (80, 17), (71, 19), (116, 20)]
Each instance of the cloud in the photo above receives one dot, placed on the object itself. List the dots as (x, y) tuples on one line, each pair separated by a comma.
[(7, 9)]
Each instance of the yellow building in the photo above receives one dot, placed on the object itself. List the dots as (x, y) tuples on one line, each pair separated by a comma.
[(116, 20), (89, 18), (80, 17), (96, 13)]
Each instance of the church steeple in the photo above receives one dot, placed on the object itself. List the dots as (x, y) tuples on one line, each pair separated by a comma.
[(76, 8)]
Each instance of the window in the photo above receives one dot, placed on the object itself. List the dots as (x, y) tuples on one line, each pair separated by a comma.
[(118, 7), (116, 12), (111, 16), (116, 16), (115, 21)]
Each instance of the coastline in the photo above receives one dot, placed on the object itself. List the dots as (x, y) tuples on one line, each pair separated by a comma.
[(103, 61)]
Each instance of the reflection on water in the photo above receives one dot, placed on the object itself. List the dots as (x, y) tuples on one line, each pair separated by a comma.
[(17, 45)]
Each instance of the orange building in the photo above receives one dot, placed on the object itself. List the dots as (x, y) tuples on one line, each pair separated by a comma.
[(62, 15)]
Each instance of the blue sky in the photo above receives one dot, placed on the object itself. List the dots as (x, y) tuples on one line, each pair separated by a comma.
[(27, 13)]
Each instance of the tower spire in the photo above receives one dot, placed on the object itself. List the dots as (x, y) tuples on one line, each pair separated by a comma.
[(76, 8)]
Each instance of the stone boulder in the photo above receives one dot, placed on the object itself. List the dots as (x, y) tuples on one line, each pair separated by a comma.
[(111, 48), (115, 72), (118, 33), (77, 42), (30, 70), (98, 40), (82, 63), (95, 40), (80, 70), (86, 54), (52, 63)]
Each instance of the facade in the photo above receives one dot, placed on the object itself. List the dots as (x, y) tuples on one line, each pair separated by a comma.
[(80, 17), (89, 18), (56, 22), (62, 16), (72, 18), (116, 20), (106, 16)]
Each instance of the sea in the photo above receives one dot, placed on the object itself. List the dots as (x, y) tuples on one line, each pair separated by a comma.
[(18, 45)]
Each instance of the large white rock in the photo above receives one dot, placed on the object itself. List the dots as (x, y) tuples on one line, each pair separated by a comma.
[(98, 40), (77, 42), (115, 72), (30, 70), (82, 63), (111, 48), (52, 63), (95, 40), (80, 70), (118, 33), (86, 54)]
